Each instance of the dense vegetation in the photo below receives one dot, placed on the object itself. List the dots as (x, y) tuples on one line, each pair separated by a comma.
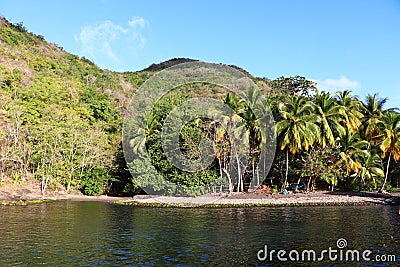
[(336, 140), (61, 120)]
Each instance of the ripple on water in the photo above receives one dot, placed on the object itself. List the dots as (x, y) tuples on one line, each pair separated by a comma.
[(101, 234)]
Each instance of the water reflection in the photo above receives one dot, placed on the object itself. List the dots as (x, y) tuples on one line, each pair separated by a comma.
[(100, 234)]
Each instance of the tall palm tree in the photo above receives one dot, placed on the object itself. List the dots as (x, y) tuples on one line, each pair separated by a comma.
[(253, 118), (250, 108), (373, 124), (390, 144), (353, 109), (222, 148), (296, 129), (240, 132), (230, 137), (331, 116)]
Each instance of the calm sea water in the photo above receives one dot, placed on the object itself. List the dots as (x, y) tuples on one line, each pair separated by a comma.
[(101, 234)]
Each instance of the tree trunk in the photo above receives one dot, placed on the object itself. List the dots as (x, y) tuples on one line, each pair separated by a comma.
[(228, 176), (42, 186), (309, 184), (44, 183), (253, 167), (68, 186), (240, 182), (287, 169), (387, 172), (314, 181), (220, 174), (258, 176)]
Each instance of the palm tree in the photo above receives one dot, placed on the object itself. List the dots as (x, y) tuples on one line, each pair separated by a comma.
[(222, 145), (390, 140), (233, 102), (352, 151), (296, 129), (251, 114), (353, 109), (331, 116), (254, 118), (239, 131), (143, 127), (373, 124), (231, 137), (371, 169)]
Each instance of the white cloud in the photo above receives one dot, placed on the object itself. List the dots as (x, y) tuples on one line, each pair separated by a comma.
[(333, 85), (101, 40), (137, 21), (142, 42), (109, 52)]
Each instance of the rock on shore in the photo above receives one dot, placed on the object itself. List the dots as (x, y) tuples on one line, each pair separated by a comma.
[(317, 198)]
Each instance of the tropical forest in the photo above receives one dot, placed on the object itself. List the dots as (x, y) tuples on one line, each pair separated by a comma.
[(61, 120)]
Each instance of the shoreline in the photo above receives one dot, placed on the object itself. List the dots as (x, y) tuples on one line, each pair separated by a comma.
[(318, 198)]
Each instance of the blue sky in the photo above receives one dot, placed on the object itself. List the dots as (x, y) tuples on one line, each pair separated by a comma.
[(341, 44)]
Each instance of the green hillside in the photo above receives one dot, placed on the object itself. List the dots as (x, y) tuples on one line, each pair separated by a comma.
[(60, 115), (61, 121)]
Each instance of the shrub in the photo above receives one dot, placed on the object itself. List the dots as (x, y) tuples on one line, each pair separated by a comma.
[(94, 181)]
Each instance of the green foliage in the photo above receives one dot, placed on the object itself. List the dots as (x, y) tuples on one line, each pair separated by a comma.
[(320, 163), (94, 182), (9, 79), (16, 178), (101, 109), (190, 137), (339, 155), (131, 188), (296, 126), (295, 85), (275, 189), (61, 127), (61, 118)]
